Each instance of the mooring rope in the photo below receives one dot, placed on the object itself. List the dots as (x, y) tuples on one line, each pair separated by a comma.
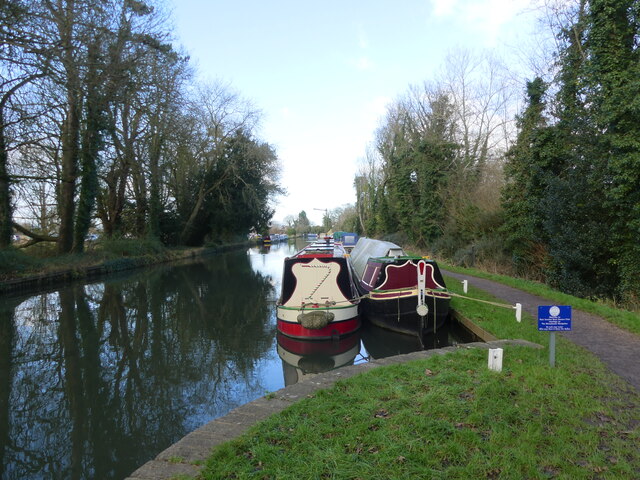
[(495, 304), (428, 290), (334, 302)]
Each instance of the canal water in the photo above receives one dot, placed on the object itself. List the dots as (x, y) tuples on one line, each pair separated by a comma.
[(96, 379)]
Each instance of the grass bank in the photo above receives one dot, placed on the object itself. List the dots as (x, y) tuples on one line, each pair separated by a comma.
[(41, 267), (449, 417), (629, 320)]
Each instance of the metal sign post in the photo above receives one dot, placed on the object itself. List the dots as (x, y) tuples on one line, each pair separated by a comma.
[(554, 319)]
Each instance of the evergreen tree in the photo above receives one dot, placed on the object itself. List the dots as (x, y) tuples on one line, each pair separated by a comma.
[(240, 202), (565, 190), (577, 222), (526, 173), (419, 158), (615, 82), (302, 223)]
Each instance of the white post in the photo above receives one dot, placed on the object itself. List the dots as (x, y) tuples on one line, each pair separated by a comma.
[(495, 359), (465, 286), (518, 312), (422, 308)]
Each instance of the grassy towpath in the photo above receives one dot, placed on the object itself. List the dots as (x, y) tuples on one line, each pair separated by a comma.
[(609, 334), (449, 417)]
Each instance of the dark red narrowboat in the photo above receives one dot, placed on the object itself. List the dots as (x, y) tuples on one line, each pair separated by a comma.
[(404, 293)]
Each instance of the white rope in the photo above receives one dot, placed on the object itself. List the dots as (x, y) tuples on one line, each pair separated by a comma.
[(495, 304), (332, 303), (428, 290)]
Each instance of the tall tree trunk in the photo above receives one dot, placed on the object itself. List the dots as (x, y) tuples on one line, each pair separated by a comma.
[(5, 200), (89, 154), (88, 190), (140, 193), (70, 131), (187, 231), (154, 185), (66, 201)]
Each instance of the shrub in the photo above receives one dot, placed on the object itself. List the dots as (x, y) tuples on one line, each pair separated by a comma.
[(399, 238), (12, 260), (132, 247)]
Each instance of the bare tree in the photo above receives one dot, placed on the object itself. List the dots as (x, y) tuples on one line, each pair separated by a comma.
[(94, 114), (21, 64), (485, 98)]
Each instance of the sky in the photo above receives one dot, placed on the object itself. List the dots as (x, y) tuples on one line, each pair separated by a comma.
[(323, 73)]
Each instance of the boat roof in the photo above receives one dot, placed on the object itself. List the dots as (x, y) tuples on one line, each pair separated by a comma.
[(367, 248), (322, 250), (347, 239)]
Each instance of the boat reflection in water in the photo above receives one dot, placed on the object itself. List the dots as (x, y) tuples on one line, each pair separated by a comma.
[(304, 358), (382, 343)]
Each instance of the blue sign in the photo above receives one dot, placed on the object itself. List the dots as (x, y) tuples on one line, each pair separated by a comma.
[(554, 318)]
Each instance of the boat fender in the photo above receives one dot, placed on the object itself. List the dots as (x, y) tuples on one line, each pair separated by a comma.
[(315, 320)]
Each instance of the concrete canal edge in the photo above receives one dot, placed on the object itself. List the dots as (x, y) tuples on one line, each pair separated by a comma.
[(185, 456), (474, 328)]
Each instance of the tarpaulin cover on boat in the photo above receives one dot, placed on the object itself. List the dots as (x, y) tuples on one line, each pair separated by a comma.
[(367, 248)]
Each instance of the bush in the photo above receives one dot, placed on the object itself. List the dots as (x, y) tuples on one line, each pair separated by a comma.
[(131, 247), (399, 238), (491, 249), (41, 250), (446, 246), (12, 260)]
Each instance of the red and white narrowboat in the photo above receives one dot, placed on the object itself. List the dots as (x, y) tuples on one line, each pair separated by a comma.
[(319, 299)]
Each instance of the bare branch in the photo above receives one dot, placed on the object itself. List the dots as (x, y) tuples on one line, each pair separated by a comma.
[(35, 236)]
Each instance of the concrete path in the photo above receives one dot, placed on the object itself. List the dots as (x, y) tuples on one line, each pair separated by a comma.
[(617, 348), (182, 457)]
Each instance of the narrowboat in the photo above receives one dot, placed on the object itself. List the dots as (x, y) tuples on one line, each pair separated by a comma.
[(319, 299), (403, 293), (347, 239)]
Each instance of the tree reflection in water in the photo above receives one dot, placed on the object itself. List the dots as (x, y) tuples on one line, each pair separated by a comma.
[(97, 379)]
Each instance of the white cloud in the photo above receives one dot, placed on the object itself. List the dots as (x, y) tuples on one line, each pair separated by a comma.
[(379, 105), (363, 40), (491, 15), (443, 8), (483, 19), (363, 63)]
